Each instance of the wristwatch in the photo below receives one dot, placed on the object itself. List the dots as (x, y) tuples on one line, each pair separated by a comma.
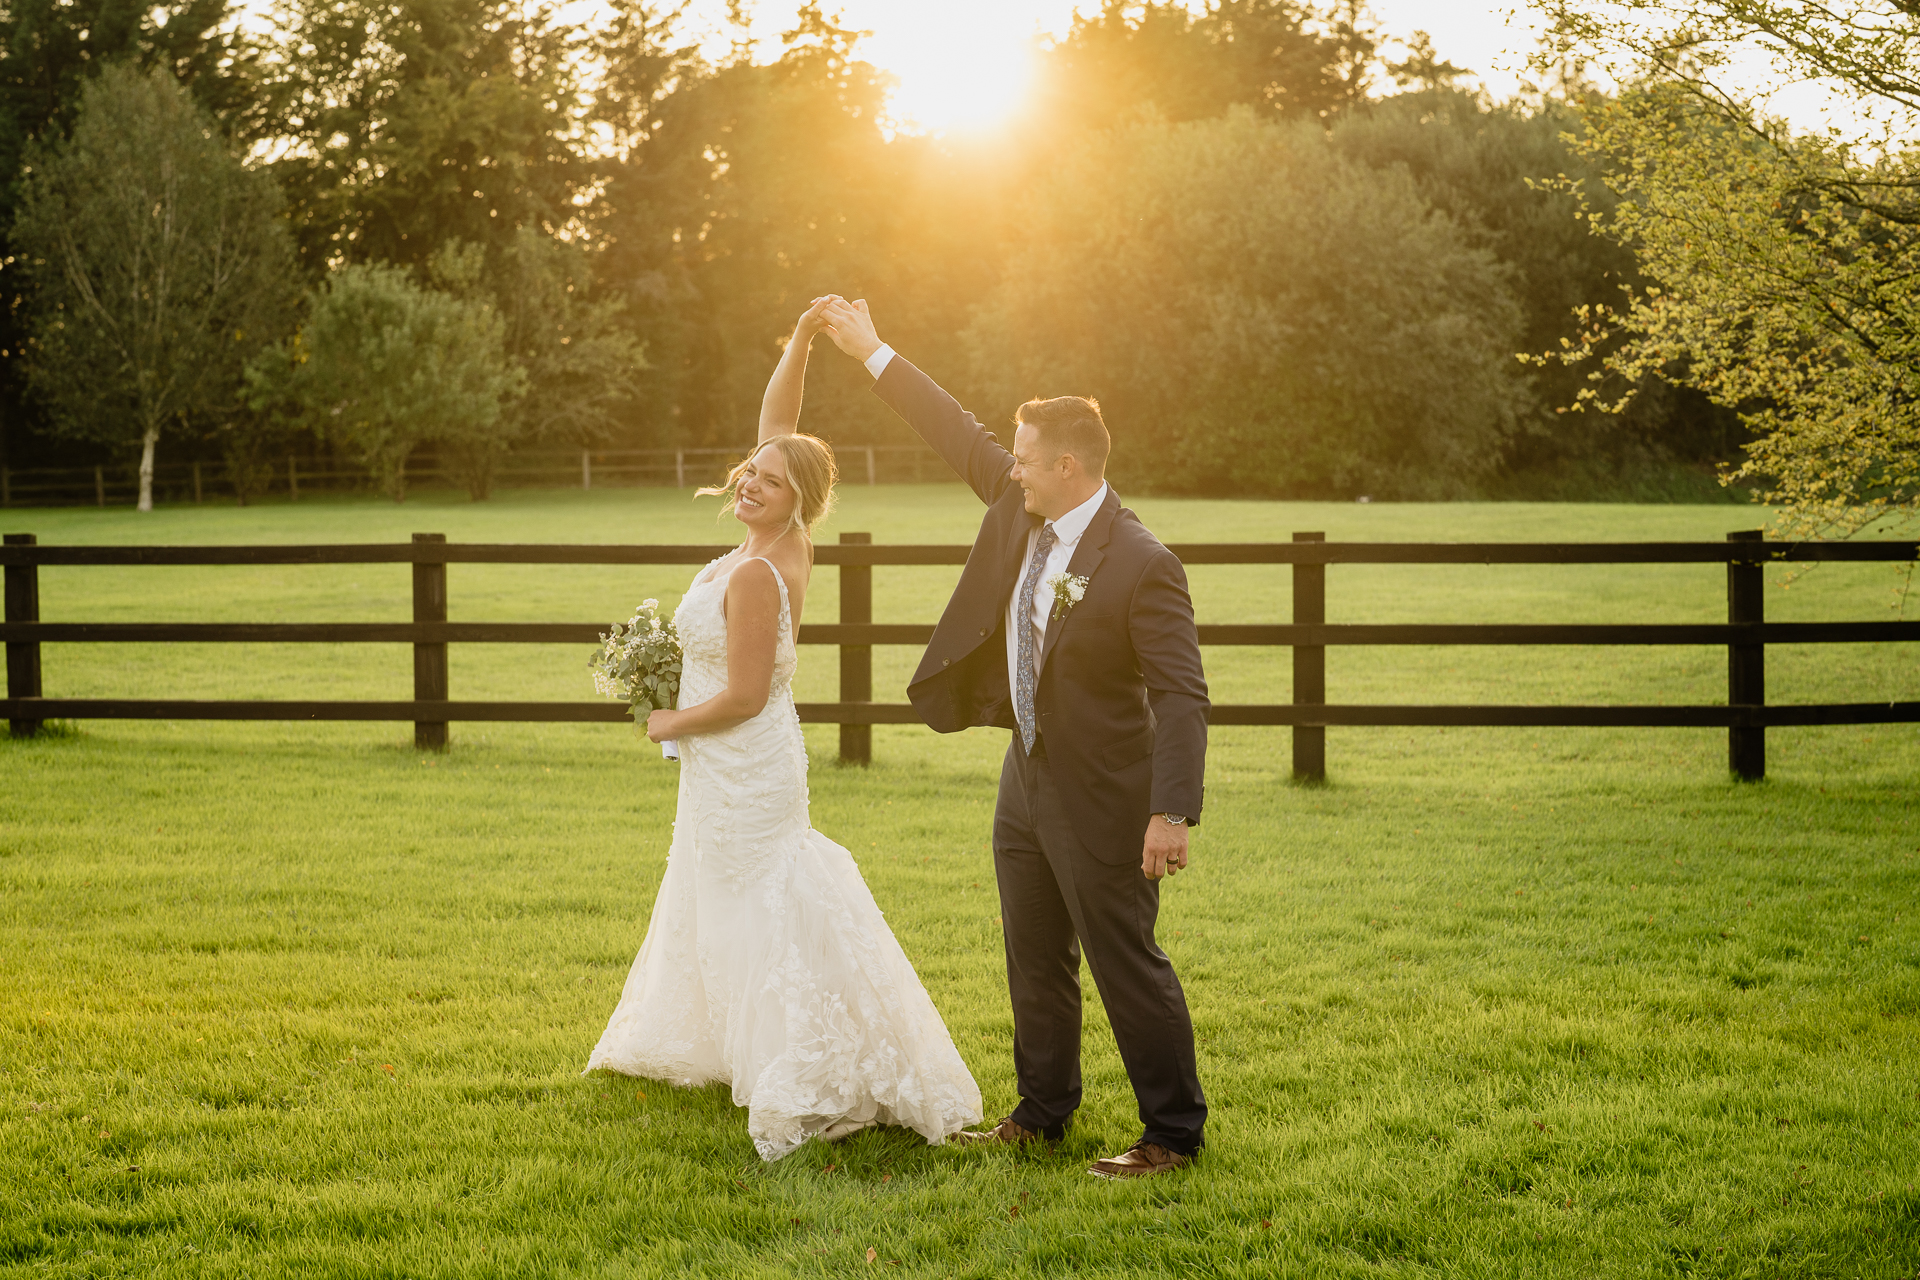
[(1175, 819)]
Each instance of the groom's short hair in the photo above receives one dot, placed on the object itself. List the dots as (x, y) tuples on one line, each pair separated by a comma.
[(1070, 424)]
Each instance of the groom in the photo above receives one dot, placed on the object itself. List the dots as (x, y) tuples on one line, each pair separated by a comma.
[(1072, 627)]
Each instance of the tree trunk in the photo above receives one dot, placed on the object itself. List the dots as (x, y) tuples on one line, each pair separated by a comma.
[(480, 479), (146, 467)]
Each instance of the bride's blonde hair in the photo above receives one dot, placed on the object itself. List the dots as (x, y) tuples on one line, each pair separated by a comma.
[(810, 470)]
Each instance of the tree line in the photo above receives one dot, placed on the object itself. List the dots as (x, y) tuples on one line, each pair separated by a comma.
[(1777, 265), (468, 226)]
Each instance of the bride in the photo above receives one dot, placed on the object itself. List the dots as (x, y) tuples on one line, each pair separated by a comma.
[(766, 964)]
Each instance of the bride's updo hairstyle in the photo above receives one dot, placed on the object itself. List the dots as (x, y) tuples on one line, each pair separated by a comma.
[(810, 470)]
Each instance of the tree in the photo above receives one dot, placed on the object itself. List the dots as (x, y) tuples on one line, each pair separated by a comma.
[(1280, 57), (1779, 267), (383, 365), (157, 263), (400, 127), (580, 360), (1425, 70), (758, 187), (1258, 314), (48, 50)]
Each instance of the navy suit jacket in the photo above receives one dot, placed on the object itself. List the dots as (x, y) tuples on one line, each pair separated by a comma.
[(1121, 702)]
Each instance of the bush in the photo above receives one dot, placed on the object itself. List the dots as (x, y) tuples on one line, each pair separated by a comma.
[(384, 365)]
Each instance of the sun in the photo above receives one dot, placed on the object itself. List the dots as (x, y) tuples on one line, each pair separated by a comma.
[(961, 67), (962, 95)]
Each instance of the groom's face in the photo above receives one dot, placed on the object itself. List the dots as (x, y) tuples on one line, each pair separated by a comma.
[(1037, 470)]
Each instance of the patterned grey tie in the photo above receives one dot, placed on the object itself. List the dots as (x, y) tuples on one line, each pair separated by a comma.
[(1023, 687)]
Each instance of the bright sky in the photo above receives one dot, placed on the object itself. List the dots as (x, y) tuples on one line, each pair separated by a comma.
[(965, 65)]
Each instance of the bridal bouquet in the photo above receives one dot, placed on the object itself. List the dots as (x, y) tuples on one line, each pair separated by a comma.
[(639, 660)]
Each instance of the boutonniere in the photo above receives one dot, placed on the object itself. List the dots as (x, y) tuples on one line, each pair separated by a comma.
[(1067, 590)]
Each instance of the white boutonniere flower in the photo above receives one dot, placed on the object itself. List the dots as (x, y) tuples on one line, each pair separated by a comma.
[(1067, 590)]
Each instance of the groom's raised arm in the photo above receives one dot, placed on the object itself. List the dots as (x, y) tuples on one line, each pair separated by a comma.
[(937, 417)]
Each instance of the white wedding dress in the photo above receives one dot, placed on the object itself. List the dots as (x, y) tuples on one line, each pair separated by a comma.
[(767, 964)]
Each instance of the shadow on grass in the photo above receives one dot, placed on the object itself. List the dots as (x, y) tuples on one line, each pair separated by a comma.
[(49, 731)]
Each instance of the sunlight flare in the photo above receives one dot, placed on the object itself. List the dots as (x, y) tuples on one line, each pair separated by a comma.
[(961, 69)]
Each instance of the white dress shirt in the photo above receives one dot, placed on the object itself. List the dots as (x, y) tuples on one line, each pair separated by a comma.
[(1067, 531)]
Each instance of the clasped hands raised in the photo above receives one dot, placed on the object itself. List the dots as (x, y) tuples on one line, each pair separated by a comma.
[(846, 322)]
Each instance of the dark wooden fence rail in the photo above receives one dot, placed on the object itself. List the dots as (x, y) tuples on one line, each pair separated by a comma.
[(1746, 715)]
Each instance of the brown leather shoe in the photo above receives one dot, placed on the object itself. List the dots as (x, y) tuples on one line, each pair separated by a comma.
[(1142, 1160), (1008, 1132)]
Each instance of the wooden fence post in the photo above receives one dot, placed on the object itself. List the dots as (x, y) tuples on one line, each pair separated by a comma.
[(679, 468), (430, 660), (6, 488), (586, 470), (1746, 663), (196, 484), (1309, 665), (23, 658), (873, 471), (293, 479), (856, 660), (99, 487)]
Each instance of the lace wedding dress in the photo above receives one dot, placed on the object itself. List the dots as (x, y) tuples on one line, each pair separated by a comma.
[(767, 964)]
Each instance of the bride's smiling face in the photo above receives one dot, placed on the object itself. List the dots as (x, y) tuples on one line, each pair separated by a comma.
[(764, 498)]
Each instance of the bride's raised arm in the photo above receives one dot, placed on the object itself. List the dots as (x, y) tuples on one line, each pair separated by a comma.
[(780, 407)]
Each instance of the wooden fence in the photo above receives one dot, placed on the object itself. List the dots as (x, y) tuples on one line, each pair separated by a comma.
[(550, 469), (1746, 715)]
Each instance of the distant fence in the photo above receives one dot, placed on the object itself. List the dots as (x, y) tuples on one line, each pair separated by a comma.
[(1746, 715), (582, 468)]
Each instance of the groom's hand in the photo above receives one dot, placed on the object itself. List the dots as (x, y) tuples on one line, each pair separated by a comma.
[(851, 328), (1166, 848)]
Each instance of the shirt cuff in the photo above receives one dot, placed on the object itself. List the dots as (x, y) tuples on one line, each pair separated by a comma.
[(877, 362)]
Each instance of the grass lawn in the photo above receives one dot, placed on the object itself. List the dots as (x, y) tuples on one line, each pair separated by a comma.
[(288, 999)]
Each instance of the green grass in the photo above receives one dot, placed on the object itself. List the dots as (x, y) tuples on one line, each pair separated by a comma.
[(292, 999)]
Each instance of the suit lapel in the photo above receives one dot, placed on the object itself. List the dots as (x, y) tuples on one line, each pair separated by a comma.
[(1086, 559)]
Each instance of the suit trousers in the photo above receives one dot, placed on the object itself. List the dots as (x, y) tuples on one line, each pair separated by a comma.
[(1057, 900)]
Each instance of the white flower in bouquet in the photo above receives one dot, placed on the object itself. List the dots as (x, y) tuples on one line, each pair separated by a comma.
[(639, 660)]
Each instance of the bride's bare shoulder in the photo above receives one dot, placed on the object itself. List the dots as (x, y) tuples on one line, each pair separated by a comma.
[(793, 564), (793, 557)]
